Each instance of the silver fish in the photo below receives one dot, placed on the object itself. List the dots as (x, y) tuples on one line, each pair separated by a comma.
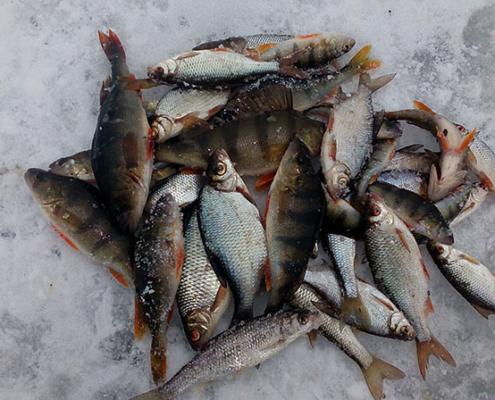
[(244, 44), (407, 180), (242, 346), (410, 159), (475, 199), (481, 160)]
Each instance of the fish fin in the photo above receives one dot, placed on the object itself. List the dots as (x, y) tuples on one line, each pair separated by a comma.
[(191, 120), (222, 294), (294, 57), (189, 54), (112, 46), (438, 188), (469, 258), (376, 373), (429, 310), (290, 70), (412, 148), (268, 275), (105, 89), (308, 36), (65, 238), (325, 307), (402, 239), (355, 309), (151, 395), (118, 277), (466, 141), (191, 170), (265, 211), (385, 303), (485, 312), (312, 335), (433, 346), (361, 62), (215, 110), (264, 181), (242, 189), (170, 314), (131, 83), (425, 270), (158, 358), (140, 325), (179, 261), (333, 97), (262, 48), (374, 84), (419, 105)]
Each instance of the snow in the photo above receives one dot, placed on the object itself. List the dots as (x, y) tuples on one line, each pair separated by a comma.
[(66, 326)]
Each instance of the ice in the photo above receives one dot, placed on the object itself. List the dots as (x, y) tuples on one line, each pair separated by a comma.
[(66, 325)]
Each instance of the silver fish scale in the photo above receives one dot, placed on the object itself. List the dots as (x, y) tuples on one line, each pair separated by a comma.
[(243, 346), (233, 233), (343, 253), (483, 158), (264, 38), (208, 66), (408, 180), (199, 284), (184, 187), (399, 274), (334, 330)]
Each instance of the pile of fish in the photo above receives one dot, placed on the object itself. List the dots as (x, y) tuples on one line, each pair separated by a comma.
[(159, 200)]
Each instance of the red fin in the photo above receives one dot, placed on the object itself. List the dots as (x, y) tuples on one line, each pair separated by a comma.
[(433, 346), (221, 296), (118, 277), (466, 141), (268, 275), (140, 326), (193, 121), (308, 36), (65, 238), (376, 373), (265, 47), (217, 49), (170, 315), (131, 83), (419, 105), (190, 54), (179, 262), (425, 270), (215, 110), (105, 89), (190, 171), (312, 335), (403, 239), (361, 62), (442, 139), (429, 310), (112, 46), (485, 312), (264, 181), (158, 358), (265, 212)]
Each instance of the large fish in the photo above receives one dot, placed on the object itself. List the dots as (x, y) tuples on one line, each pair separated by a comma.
[(294, 209), (256, 145), (420, 215), (481, 160), (374, 369), (385, 319), (122, 149), (233, 235), (158, 259), (242, 346), (201, 299), (469, 276), (76, 211), (347, 142), (399, 271), (77, 165)]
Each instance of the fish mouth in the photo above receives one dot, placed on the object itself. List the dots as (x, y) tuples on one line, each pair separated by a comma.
[(32, 177)]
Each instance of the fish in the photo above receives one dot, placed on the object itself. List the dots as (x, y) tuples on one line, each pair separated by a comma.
[(243, 346), (275, 93), (474, 281), (452, 205), (447, 174), (385, 319), (233, 235), (374, 369), (341, 217), (122, 148), (76, 211), (476, 198), (293, 214), (183, 108), (244, 44), (407, 180), (347, 141), (215, 66), (382, 154), (201, 299), (158, 259), (481, 160), (400, 273), (410, 159), (77, 165), (160, 172), (256, 144), (420, 215)]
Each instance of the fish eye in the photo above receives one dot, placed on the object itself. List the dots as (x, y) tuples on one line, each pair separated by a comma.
[(439, 249), (195, 335), (375, 211), (221, 169), (303, 319)]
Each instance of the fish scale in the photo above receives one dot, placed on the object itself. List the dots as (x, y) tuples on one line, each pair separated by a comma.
[(481, 160)]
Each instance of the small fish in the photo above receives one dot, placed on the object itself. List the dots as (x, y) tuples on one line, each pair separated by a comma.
[(385, 319), (215, 66), (183, 108), (75, 209), (469, 276), (374, 369), (410, 159), (256, 144), (452, 205), (407, 180), (158, 259), (122, 148), (341, 217), (293, 213), (233, 234), (77, 165), (244, 44), (481, 160), (201, 299), (242, 346), (420, 215), (399, 272), (347, 141)]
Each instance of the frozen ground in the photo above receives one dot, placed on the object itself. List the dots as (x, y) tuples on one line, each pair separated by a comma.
[(65, 325)]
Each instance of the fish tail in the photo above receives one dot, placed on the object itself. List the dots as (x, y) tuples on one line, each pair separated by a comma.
[(353, 308), (158, 357), (140, 325), (361, 62), (374, 84), (376, 373), (112, 46), (433, 346)]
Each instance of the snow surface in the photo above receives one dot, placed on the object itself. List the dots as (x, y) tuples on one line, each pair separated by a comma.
[(66, 326)]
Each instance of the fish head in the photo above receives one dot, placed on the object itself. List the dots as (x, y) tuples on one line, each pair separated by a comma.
[(399, 326), (162, 70), (340, 177), (221, 171), (378, 213), (346, 43), (199, 327), (303, 321), (162, 128), (45, 187)]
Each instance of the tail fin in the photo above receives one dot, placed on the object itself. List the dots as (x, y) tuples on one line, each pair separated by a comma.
[(158, 358), (374, 84), (376, 373), (360, 62), (140, 326), (433, 346), (354, 312), (112, 46)]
